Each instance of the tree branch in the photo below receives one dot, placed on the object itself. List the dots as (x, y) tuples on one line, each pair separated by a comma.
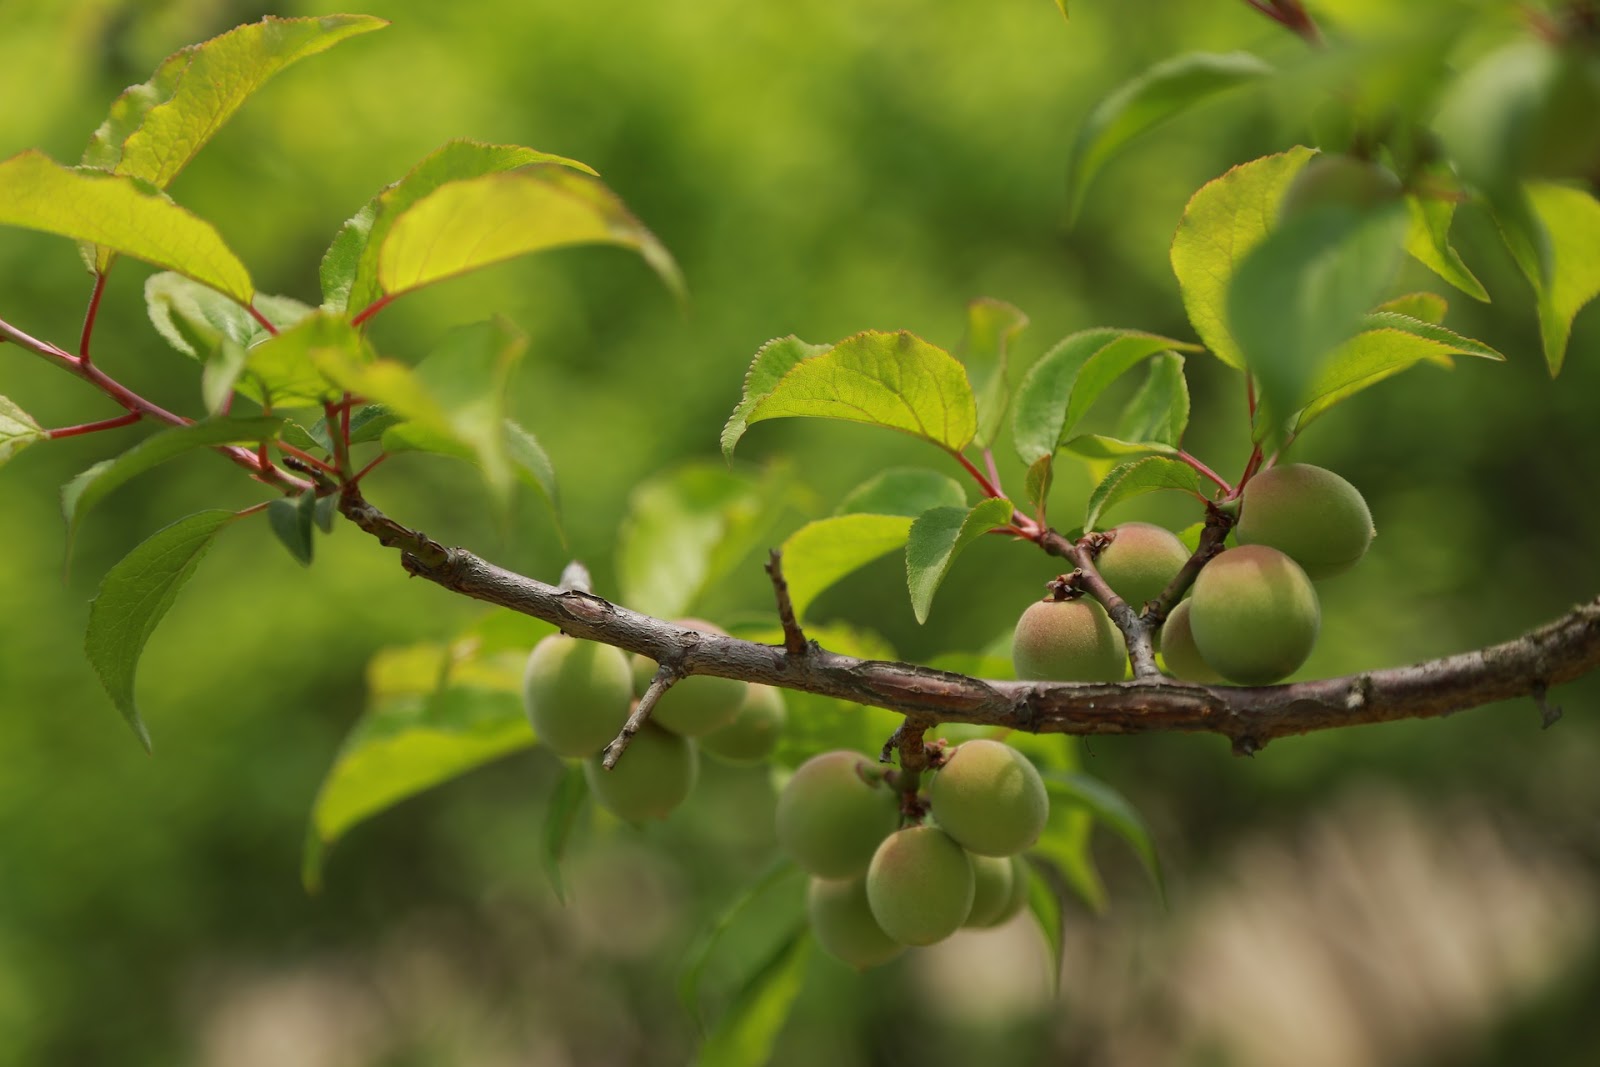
[(1526, 666), (794, 638)]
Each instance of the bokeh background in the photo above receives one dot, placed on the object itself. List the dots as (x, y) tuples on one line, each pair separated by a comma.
[(1424, 893)]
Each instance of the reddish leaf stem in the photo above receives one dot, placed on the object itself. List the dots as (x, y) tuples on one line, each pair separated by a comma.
[(90, 315), (362, 473), (266, 323), (1205, 471), (95, 427), (372, 309), (306, 458)]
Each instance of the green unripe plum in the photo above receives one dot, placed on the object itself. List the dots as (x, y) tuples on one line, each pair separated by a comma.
[(1338, 181), (695, 705), (920, 885), (576, 694), (842, 920), (1310, 514), (990, 798), (754, 732), (1178, 649), (994, 887), (831, 818), (1068, 641), (654, 776), (1141, 561), (1254, 615)]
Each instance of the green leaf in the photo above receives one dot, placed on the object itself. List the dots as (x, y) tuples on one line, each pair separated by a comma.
[(135, 595), (1392, 343), (991, 327), (434, 712), (90, 487), (532, 464), (1135, 479), (907, 491), (324, 511), (1165, 91), (1429, 307), (747, 1032), (194, 319), (1302, 292), (1041, 475), (1227, 218), (699, 954), (822, 552), (1099, 446), (894, 380), (1571, 218), (156, 128), (120, 215), (559, 817), (1428, 241), (1112, 809), (1063, 385), (475, 222), (1159, 411), (286, 371), (350, 267), (291, 525), (688, 528), (937, 537), (1044, 901), (17, 429)]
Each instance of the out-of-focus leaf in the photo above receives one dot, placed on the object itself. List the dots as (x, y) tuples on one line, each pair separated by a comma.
[(1064, 384), (464, 225), (17, 429), (286, 371), (745, 1034), (935, 539), (991, 327), (1428, 241), (1571, 219), (1222, 223), (699, 955), (559, 818), (155, 128), (822, 552), (1044, 901), (92, 486), (1163, 92), (135, 595), (907, 491), (1113, 810), (532, 464), (291, 525), (1429, 307), (894, 380), (118, 214), (1135, 479), (1302, 292), (195, 319), (350, 266), (687, 528)]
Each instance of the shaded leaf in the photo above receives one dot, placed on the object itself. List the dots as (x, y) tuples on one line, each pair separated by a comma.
[(350, 267), (291, 524), (937, 537), (699, 954), (991, 327), (907, 491), (1165, 91), (17, 429), (195, 319), (286, 371), (1222, 222), (894, 380), (135, 595), (119, 215), (1044, 901), (1037, 482), (532, 464), (820, 553), (748, 1030), (1111, 809), (559, 818), (1159, 411), (89, 488), (1571, 219), (475, 222), (1135, 479)]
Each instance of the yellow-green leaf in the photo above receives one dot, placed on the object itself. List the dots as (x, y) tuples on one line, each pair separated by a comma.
[(17, 429), (1571, 219), (820, 553)]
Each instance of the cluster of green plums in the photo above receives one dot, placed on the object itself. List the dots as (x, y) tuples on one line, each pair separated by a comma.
[(877, 885), (1253, 615), (579, 694)]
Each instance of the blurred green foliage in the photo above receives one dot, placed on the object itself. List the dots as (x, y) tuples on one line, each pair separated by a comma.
[(817, 170)]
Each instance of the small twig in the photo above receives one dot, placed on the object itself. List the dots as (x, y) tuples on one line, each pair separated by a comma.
[(1549, 714), (665, 678), (305, 458), (915, 756), (355, 479), (794, 638), (1218, 523), (1135, 633), (94, 427)]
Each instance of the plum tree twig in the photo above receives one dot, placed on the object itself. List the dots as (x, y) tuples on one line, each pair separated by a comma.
[(1526, 666)]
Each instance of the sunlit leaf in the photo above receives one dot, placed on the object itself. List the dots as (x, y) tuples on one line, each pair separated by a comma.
[(937, 537), (820, 553), (475, 222), (195, 319), (1100, 446), (89, 488), (1165, 91), (17, 429), (1429, 307), (350, 266), (894, 380), (120, 215), (907, 491), (135, 595), (1227, 218), (1571, 218), (992, 325), (1428, 241), (1135, 479), (286, 371)]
